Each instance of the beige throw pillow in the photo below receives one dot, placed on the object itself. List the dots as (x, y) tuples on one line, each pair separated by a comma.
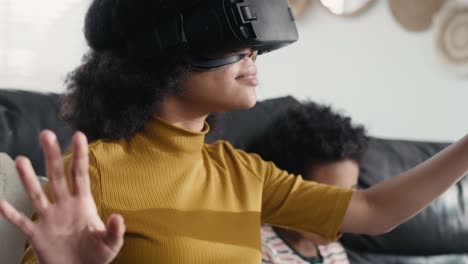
[(12, 240)]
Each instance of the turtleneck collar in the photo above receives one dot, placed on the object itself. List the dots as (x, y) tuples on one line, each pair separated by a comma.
[(170, 138)]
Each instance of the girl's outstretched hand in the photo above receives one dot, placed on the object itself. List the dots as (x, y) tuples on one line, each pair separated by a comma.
[(69, 230)]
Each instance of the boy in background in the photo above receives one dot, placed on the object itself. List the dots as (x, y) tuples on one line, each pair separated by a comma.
[(323, 146)]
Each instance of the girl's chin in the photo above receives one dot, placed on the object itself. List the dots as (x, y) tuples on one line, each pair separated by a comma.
[(245, 103)]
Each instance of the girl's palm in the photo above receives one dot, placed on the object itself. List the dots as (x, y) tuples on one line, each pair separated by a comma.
[(69, 230)]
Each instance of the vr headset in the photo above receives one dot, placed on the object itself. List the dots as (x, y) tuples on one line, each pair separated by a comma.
[(211, 28)]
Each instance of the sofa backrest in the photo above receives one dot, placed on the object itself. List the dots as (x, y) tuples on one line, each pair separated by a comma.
[(442, 228), (23, 115), (240, 127)]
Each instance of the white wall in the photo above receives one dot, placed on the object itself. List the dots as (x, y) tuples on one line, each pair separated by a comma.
[(385, 77), (40, 42), (369, 67)]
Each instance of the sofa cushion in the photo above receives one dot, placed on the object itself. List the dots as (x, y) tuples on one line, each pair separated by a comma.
[(11, 189)]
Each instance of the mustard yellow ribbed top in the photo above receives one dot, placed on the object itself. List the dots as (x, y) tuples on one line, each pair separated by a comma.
[(184, 201)]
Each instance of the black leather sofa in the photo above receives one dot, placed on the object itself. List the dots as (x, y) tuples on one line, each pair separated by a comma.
[(439, 234)]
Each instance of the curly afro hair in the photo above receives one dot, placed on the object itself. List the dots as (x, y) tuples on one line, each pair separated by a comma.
[(112, 94), (309, 134)]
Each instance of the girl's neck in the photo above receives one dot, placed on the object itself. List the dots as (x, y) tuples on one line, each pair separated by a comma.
[(182, 115)]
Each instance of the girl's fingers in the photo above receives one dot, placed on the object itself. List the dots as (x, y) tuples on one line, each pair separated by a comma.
[(114, 236), (31, 185), (16, 218), (80, 165), (54, 165)]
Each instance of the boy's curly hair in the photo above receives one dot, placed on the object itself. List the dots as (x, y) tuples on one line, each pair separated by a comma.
[(309, 134)]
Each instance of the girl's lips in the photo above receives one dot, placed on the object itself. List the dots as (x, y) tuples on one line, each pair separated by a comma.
[(247, 75), (250, 79)]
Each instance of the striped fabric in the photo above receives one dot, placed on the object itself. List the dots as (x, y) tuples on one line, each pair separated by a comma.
[(276, 251)]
